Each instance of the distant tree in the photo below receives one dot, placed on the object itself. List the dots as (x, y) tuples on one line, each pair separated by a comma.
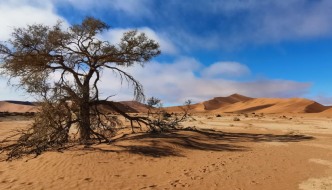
[(153, 101), (79, 57)]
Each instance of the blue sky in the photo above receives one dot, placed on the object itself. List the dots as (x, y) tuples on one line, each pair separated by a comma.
[(209, 47)]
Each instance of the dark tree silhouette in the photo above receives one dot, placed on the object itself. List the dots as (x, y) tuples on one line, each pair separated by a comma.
[(79, 57)]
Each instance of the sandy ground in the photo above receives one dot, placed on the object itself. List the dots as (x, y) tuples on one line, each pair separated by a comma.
[(257, 152)]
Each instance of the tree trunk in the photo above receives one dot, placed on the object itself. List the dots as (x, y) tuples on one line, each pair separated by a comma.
[(85, 128)]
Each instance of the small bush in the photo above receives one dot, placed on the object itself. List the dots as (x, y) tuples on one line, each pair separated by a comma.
[(236, 119)]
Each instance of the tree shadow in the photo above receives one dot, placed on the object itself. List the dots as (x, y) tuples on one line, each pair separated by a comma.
[(175, 143), (253, 137), (211, 134)]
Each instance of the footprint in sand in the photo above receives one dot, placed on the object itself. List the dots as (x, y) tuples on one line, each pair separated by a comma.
[(177, 183), (151, 186), (142, 175)]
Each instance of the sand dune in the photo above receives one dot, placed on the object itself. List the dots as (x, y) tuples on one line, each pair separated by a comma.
[(17, 106), (241, 104), (275, 105), (219, 102), (234, 103)]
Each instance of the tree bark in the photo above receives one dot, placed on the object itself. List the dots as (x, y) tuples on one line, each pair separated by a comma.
[(85, 125)]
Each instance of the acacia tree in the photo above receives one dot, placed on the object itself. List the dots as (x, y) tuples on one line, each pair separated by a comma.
[(79, 58)]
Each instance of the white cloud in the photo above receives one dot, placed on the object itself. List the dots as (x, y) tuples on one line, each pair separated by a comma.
[(225, 69), (15, 13), (115, 34), (175, 82)]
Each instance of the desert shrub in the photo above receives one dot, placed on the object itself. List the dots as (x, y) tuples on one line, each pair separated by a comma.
[(236, 119)]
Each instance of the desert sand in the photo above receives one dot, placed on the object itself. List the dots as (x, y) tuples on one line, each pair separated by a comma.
[(277, 151)]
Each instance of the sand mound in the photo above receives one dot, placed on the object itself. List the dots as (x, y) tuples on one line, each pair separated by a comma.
[(17, 106)]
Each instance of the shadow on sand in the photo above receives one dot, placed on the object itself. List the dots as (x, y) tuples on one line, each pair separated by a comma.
[(174, 143)]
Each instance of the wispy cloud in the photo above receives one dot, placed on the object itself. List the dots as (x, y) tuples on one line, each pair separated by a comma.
[(225, 69)]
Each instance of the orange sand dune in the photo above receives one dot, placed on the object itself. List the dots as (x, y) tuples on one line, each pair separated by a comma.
[(275, 105), (218, 102), (237, 103), (17, 106), (212, 104)]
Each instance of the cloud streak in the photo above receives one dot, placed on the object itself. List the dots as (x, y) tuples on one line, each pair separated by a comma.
[(225, 69)]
